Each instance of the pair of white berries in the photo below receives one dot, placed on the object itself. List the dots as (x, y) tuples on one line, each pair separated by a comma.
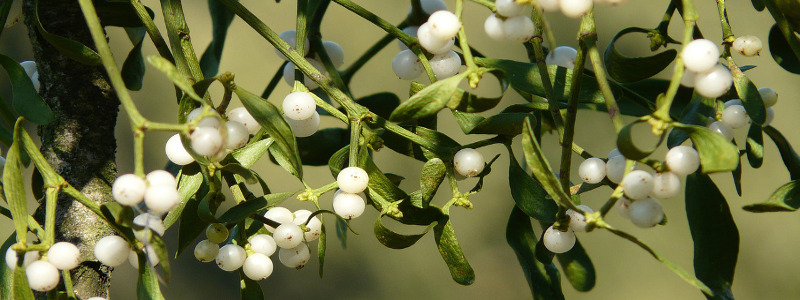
[(43, 275), (347, 201), (334, 51), (210, 139), (734, 115), (570, 8), (301, 113), (558, 241), (704, 73), (509, 22), (407, 66), (158, 190), (30, 69)]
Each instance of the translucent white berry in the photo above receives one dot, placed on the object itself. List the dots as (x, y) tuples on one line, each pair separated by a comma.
[(29, 66), (161, 199), (347, 205), (666, 185), (278, 214), (563, 56), (700, 55), (35, 80), (733, 102), (206, 251), (623, 207), (614, 153), (207, 141), (682, 160), (714, 83), (520, 28), (493, 26), (770, 116), (305, 128), (688, 78), (238, 135), (646, 212), (111, 250), (289, 69), (241, 115), (231, 257), (577, 221), (468, 162), (299, 106), (352, 180), (295, 257), (263, 243), (161, 177), (129, 189), (769, 96), (445, 65), (210, 121), (257, 267), (444, 24), (615, 168), (314, 225), (150, 255), (288, 235), (431, 6), (735, 116), (431, 43), (151, 222), (549, 5), (335, 53), (407, 65), (748, 45), (290, 37), (558, 241), (410, 30), (217, 233), (722, 129), (509, 8), (637, 184), (11, 258), (176, 153), (575, 8), (42, 276), (592, 170)]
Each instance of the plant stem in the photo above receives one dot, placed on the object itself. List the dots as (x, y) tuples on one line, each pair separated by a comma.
[(51, 196), (689, 19), (138, 152), (536, 41), (378, 21), (373, 50), (605, 87), (152, 31), (727, 33), (178, 34), (355, 136), (474, 77), (273, 83)]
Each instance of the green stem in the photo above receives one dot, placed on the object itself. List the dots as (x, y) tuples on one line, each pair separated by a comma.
[(329, 108), (417, 49), (487, 142), (474, 77), (178, 34), (51, 196), (486, 3), (152, 30), (689, 19), (536, 41), (378, 21), (727, 32), (301, 30), (605, 87), (406, 134), (138, 152), (784, 26), (355, 136)]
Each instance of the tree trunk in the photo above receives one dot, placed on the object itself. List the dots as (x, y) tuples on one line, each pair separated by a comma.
[(79, 143)]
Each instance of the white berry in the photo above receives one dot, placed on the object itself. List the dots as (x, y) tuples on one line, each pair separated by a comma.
[(35, 80), (288, 235), (577, 221), (444, 24), (769, 96), (431, 43), (493, 26), (731, 102), (42, 276), (646, 212), (231, 257), (700, 55), (11, 258), (241, 115), (217, 233), (299, 106), (257, 267), (29, 66), (722, 129), (468, 162), (688, 78), (149, 251), (161, 199), (563, 56), (352, 180), (238, 135), (407, 65), (161, 177), (445, 65), (431, 6), (735, 116), (520, 28), (176, 153), (305, 128), (666, 185), (279, 214), (549, 5), (348, 206), (111, 250), (289, 69), (592, 170), (206, 251), (335, 53), (410, 30), (682, 160), (295, 257), (207, 141), (615, 168), (770, 116), (558, 241), (623, 207), (129, 189), (148, 221), (614, 153), (314, 225), (209, 121), (575, 8), (263, 243), (714, 83), (748, 45), (637, 184), (290, 37), (509, 8)]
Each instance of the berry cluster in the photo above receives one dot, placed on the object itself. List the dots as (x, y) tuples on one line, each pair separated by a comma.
[(734, 115), (301, 113), (703, 71), (42, 273), (334, 51), (213, 137), (437, 37), (509, 22), (347, 201), (158, 190)]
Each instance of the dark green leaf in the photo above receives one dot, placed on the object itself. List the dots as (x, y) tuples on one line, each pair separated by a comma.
[(529, 194), (316, 149), (252, 206), (249, 289), (629, 69), (191, 225), (578, 268), (716, 153), (166, 67), (502, 124), (750, 96), (433, 173), (235, 168), (382, 104), (696, 113), (650, 89), (715, 236), (451, 252), (758, 4), (755, 146), (466, 102), (338, 160), (72, 49), (394, 240), (790, 158), (119, 14), (379, 183), (285, 148), (26, 100), (133, 68), (428, 101), (543, 280), (341, 231), (626, 145), (14, 186), (781, 51), (190, 180), (737, 178), (785, 198), (539, 165), (147, 287), (322, 243), (157, 244), (248, 155), (221, 18)]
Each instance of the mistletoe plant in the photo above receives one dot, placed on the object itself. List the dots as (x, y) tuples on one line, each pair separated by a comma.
[(214, 146)]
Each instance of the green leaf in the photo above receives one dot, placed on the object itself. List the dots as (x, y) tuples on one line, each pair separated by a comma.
[(750, 96), (338, 160), (316, 149), (14, 186), (166, 67), (716, 153), (715, 236), (379, 183), (395, 240), (539, 165), (147, 287), (190, 180), (221, 19), (133, 68), (528, 194), (737, 178), (72, 49), (322, 243), (119, 13), (252, 206), (466, 102), (6, 274), (543, 280), (629, 69), (381, 104), (249, 154), (428, 101), (781, 51), (433, 173), (578, 268), (157, 244), (249, 289), (790, 158), (785, 198), (21, 288), (695, 113), (501, 124), (191, 225), (450, 249), (626, 145), (235, 168), (285, 148), (650, 89), (755, 146), (341, 231), (26, 100)]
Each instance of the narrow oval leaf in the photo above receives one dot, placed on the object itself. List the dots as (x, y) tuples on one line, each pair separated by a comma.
[(26, 99), (428, 101), (716, 154), (191, 225), (626, 145), (578, 268), (190, 180), (147, 287), (21, 288), (72, 49), (789, 156), (248, 155), (395, 240), (466, 102), (781, 51), (433, 173), (715, 236), (322, 244), (539, 165), (14, 186), (133, 68), (529, 195), (450, 250), (755, 146), (166, 67), (157, 244), (629, 69), (750, 96), (543, 280), (221, 18), (252, 206), (785, 198), (501, 124)]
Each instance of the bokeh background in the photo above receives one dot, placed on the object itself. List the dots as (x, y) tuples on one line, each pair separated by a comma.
[(767, 267)]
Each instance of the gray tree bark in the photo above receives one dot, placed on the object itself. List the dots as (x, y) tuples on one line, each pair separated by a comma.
[(79, 143)]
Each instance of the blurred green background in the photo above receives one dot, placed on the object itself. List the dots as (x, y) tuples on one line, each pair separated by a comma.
[(366, 270)]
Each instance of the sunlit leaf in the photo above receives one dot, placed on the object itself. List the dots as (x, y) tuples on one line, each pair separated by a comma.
[(785, 198), (716, 153), (450, 249), (750, 96), (543, 280), (428, 101), (755, 146)]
